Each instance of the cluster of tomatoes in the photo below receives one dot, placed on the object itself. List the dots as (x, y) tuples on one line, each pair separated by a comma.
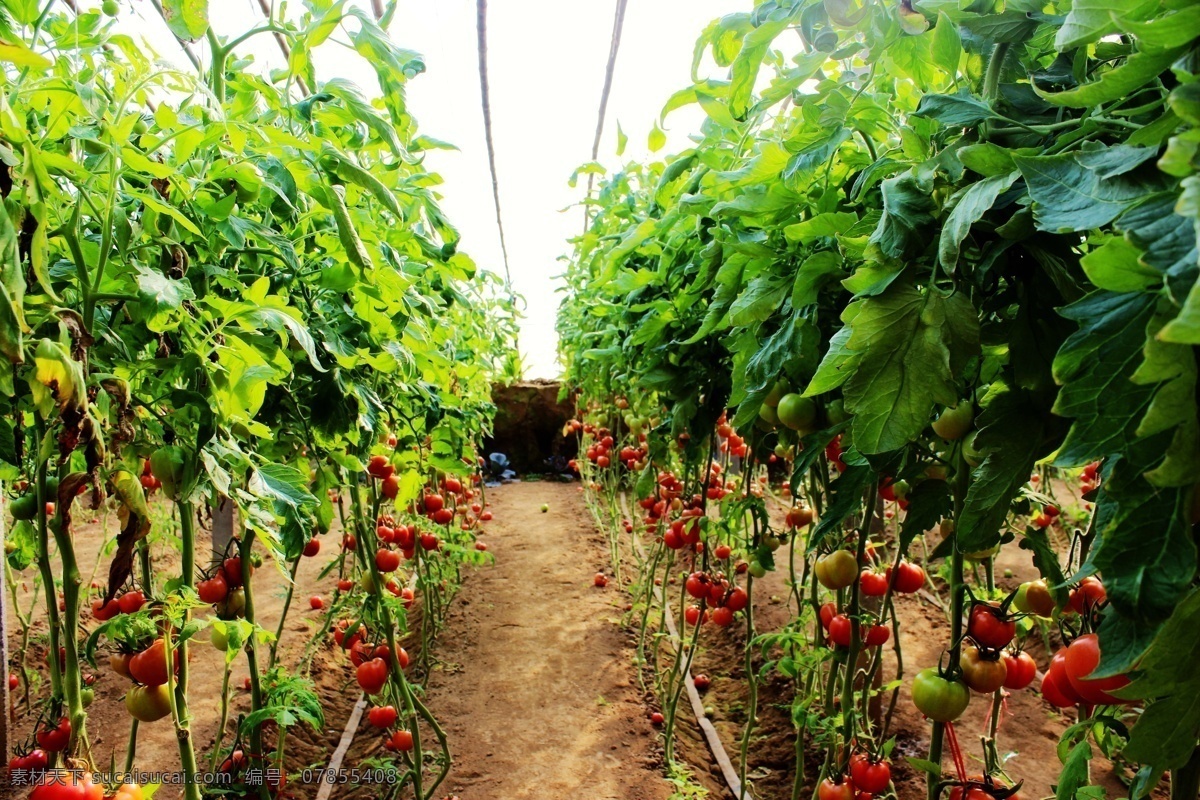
[(724, 598), (866, 776), (373, 663), (389, 483), (384, 717), (77, 785), (148, 700), (1090, 478), (1046, 517), (730, 442), (839, 570), (224, 589), (124, 603), (149, 482)]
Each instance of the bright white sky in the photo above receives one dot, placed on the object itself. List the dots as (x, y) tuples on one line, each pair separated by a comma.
[(546, 62)]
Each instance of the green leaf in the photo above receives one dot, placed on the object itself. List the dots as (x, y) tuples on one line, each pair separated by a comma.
[(1138, 70), (656, 140), (187, 19), (1174, 29), (906, 213), (162, 299), (744, 69), (1075, 772), (332, 198), (1095, 366), (845, 498), (830, 223), (928, 502), (812, 275), (987, 159), (815, 155), (12, 292), (1090, 20), (838, 364), (1070, 197), (1166, 733), (969, 206), (955, 110), (285, 488), (1013, 432), (912, 345), (361, 109), (946, 47), (1115, 265)]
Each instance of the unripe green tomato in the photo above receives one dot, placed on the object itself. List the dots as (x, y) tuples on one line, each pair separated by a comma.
[(367, 582), (24, 507), (971, 454), (977, 556), (110, 8), (219, 639), (783, 451), (954, 422), (778, 390), (772, 542), (939, 699), (86, 695), (756, 569), (836, 412), (900, 489), (234, 604), (767, 414), (797, 412)]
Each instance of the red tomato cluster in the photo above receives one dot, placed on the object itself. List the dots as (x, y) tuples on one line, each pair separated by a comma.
[(147, 479), (833, 452), (124, 603), (730, 442), (725, 598), (840, 629), (1090, 478), (1046, 517)]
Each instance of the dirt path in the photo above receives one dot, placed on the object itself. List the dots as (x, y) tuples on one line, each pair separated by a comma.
[(538, 693)]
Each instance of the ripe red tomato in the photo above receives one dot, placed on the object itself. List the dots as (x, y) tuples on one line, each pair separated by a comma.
[(350, 542), (701, 682), (737, 600), (35, 760), (872, 584), (1081, 659), (429, 541), (381, 651), (434, 503), (983, 672), (692, 615), (378, 467), (387, 560), (827, 613), (722, 616), (105, 611), (382, 716), (232, 569), (1056, 687), (372, 675), (213, 590), (345, 585), (13, 681), (131, 602), (840, 630), (722, 552), (657, 718), (990, 627), (390, 487), (67, 785), (600, 580), (869, 774), (401, 740), (697, 585), (149, 667), (312, 547), (1087, 595), (877, 635), (56, 739), (836, 789), (316, 602), (452, 485), (910, 577), (1020, 670)]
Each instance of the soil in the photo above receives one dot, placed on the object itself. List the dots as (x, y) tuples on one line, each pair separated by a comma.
[(537, 689)]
